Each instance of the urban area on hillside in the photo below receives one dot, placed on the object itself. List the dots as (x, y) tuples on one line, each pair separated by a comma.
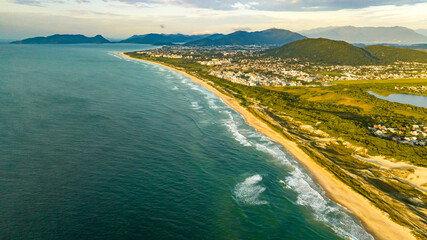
[(244, 65)]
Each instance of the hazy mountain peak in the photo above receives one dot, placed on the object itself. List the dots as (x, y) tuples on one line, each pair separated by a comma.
[(369, 35)]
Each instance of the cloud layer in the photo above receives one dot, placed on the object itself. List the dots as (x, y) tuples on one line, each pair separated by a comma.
[(122, 18), (276, 5)]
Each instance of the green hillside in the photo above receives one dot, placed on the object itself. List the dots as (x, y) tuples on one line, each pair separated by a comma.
[(387, 54), (325, 51)]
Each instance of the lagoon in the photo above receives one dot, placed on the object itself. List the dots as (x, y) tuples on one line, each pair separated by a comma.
[(414, 100)]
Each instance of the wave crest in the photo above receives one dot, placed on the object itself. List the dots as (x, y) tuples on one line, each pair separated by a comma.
[(248, 191)]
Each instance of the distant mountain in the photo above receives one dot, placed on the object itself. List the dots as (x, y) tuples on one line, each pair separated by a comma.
[(420, 46), (422, 31), (333, 52), (63, 39), (368, 35), (323, 51), (215, 36), (386, 54), (266, 37), (156, 38), (417, 46)]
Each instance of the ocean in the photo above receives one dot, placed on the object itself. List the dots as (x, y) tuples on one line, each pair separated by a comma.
[(97, 146)]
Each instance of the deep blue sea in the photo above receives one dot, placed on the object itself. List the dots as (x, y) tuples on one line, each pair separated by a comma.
[(95, 146)]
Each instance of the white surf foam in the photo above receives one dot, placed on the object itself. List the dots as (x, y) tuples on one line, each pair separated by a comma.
[(232, 126), (196, 106), (248, 191)]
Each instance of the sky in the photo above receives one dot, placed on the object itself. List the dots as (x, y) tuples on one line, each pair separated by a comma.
[(124, 18)]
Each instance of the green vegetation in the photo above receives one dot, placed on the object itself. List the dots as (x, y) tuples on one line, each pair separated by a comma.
[(388, 55), (325, 51), (346, 113), (387, 87)]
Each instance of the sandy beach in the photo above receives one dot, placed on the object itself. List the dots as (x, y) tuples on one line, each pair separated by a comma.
[(374, 220)]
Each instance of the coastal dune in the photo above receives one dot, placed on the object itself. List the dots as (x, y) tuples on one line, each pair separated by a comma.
[(374, 220)]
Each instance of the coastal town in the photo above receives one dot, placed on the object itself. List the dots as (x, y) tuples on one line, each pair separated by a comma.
[(247, 66), (413, 134), (415, 89)]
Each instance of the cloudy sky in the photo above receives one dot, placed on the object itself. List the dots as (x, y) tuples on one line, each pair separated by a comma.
[(123, 18)]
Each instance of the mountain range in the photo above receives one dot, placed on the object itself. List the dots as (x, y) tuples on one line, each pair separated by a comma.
[(326, 51), (159, 39), (63, 39), (359, 36), (267, 37), (368, 35)]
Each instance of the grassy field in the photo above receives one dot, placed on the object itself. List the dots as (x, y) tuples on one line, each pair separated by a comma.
[(387, 87)]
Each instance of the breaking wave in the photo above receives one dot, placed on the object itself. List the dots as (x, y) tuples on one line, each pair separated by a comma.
[(248, 191)]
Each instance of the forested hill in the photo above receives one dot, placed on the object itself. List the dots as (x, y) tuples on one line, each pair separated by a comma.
[(63, 39), (386, 54), (325, 51)]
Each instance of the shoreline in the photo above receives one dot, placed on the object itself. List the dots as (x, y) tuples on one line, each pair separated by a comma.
[(373, 219)]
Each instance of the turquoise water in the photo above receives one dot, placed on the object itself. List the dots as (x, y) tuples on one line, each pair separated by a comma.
[(415, 100), (95, 146)]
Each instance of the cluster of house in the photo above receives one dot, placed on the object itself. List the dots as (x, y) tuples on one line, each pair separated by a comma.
[(419, 89), (398, 70), (215, 62), (253, 79), (299, 75), (293, 69), (415, 134), (157, 54)]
